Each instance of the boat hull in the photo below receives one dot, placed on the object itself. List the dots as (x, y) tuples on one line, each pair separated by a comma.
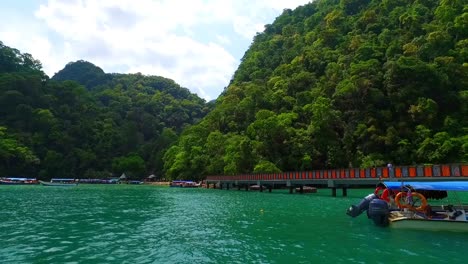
[(307, 189), (16, 183), (57, 184), (432, 225)]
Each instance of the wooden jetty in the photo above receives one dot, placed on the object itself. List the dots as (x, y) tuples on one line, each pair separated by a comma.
[(339, 178)]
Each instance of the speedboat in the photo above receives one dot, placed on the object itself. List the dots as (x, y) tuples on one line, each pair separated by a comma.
[(422, 205)]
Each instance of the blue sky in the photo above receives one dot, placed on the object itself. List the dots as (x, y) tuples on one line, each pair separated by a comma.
[(197, 43)]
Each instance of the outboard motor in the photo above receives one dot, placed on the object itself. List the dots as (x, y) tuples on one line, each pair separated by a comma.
[(356, 210), (378, 211)]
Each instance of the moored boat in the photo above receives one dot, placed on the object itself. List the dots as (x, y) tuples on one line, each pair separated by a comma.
[(257, 187), (184, 184), (60, 182), (18, 181), (135, 182), (99, 181), (436, 206), (306, 189)]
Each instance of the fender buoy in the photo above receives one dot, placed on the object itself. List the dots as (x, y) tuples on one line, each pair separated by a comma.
[(400, 201)]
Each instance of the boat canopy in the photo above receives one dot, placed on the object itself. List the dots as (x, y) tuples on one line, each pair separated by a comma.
[(20, 179), (429, 186), (61, 179), (182, 181)]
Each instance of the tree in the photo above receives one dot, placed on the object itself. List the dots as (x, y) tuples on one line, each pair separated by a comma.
[(132, 165), (13, 155), (265, 166)]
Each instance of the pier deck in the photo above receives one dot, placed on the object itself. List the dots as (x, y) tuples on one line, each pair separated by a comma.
[(341, 178)]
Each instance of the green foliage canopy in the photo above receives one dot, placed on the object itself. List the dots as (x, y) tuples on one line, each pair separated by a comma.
[(342, 83)]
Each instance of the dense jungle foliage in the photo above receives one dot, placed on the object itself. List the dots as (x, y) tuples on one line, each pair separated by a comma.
[(96, 126), (340, 83)]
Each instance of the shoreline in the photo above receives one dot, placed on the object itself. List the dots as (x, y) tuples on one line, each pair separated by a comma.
[(158, 183)]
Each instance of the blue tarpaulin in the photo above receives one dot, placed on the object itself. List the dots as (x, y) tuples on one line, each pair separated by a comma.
[(430, 186)]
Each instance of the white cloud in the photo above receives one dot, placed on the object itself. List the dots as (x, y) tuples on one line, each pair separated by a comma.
[(191, 42), (223, 40)]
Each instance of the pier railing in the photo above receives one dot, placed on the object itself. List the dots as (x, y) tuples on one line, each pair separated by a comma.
[(340, 178), (442, 172)]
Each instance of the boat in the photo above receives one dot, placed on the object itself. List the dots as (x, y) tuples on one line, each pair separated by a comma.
[(60, 182), (257, 187), (306, 189), (99, 181), (418, 205), (184, 184), (18, 181), (135, 182)]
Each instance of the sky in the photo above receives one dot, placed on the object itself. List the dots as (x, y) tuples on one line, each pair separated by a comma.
[(196, 43)]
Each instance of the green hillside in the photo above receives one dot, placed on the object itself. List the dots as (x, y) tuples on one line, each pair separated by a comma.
[(338, 84), (86, 123)]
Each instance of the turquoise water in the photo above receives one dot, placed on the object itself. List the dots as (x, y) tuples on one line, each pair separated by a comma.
[(148, 224)]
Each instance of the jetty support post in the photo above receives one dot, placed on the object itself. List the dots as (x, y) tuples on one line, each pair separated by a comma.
[(345, 191), (331, 184), (291, 187)]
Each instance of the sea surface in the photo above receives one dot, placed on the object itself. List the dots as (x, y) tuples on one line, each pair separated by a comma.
[(150, 224)]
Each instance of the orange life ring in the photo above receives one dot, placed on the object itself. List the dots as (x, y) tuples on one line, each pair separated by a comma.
[(401, 203)]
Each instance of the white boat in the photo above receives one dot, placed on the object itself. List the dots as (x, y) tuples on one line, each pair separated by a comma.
[(184, 184), (435, 206), (306, 189), (416, 223), (60, 182), (18, 181)]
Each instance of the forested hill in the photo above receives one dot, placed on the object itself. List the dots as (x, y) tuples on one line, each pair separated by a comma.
[(340, 83), (109, 125)]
